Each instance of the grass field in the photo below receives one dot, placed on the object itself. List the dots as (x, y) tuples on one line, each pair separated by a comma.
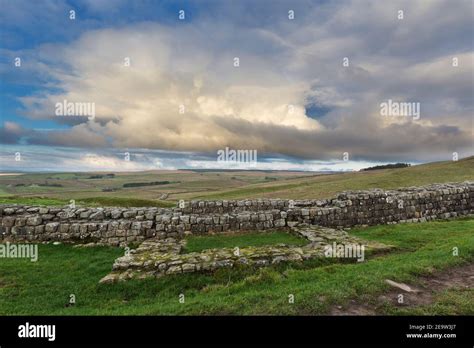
[(187, 185), (44, 287), (89, 202)]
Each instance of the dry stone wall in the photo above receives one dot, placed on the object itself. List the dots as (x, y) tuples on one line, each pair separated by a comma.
[(118, 226)]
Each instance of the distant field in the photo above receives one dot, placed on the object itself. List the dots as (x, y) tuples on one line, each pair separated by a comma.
[(129, 189)]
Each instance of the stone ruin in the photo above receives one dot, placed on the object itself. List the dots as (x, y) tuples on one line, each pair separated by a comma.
[(161, 231), (159, 257)]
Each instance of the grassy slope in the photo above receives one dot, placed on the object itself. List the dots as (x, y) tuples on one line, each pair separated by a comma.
[(44, 287), (325, 186), (225, 185)]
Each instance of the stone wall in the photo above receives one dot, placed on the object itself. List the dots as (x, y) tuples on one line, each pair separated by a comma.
[(127, 225)]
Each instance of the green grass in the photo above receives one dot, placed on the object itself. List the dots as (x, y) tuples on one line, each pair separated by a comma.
[(92, 202), (44, 287), (33, 201), (125, 202), (200, 243)]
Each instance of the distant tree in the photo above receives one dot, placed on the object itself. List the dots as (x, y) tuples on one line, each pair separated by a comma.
[(387, 166)]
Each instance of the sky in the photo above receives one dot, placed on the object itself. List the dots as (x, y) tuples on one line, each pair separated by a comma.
[(174, 82)]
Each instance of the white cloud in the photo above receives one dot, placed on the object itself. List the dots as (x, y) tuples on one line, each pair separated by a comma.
[(95, 162)]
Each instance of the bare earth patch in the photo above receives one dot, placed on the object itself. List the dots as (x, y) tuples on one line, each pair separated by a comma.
[(423, 293)]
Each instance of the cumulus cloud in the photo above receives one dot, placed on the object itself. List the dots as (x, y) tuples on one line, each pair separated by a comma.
[(182, 91)]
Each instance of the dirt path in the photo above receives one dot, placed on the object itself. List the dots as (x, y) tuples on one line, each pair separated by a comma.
[(423, 293)]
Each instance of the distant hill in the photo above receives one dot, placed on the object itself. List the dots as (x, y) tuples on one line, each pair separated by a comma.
[(325, 186), (146, 188)]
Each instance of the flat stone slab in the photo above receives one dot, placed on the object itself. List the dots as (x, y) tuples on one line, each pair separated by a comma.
[(161, 257)]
